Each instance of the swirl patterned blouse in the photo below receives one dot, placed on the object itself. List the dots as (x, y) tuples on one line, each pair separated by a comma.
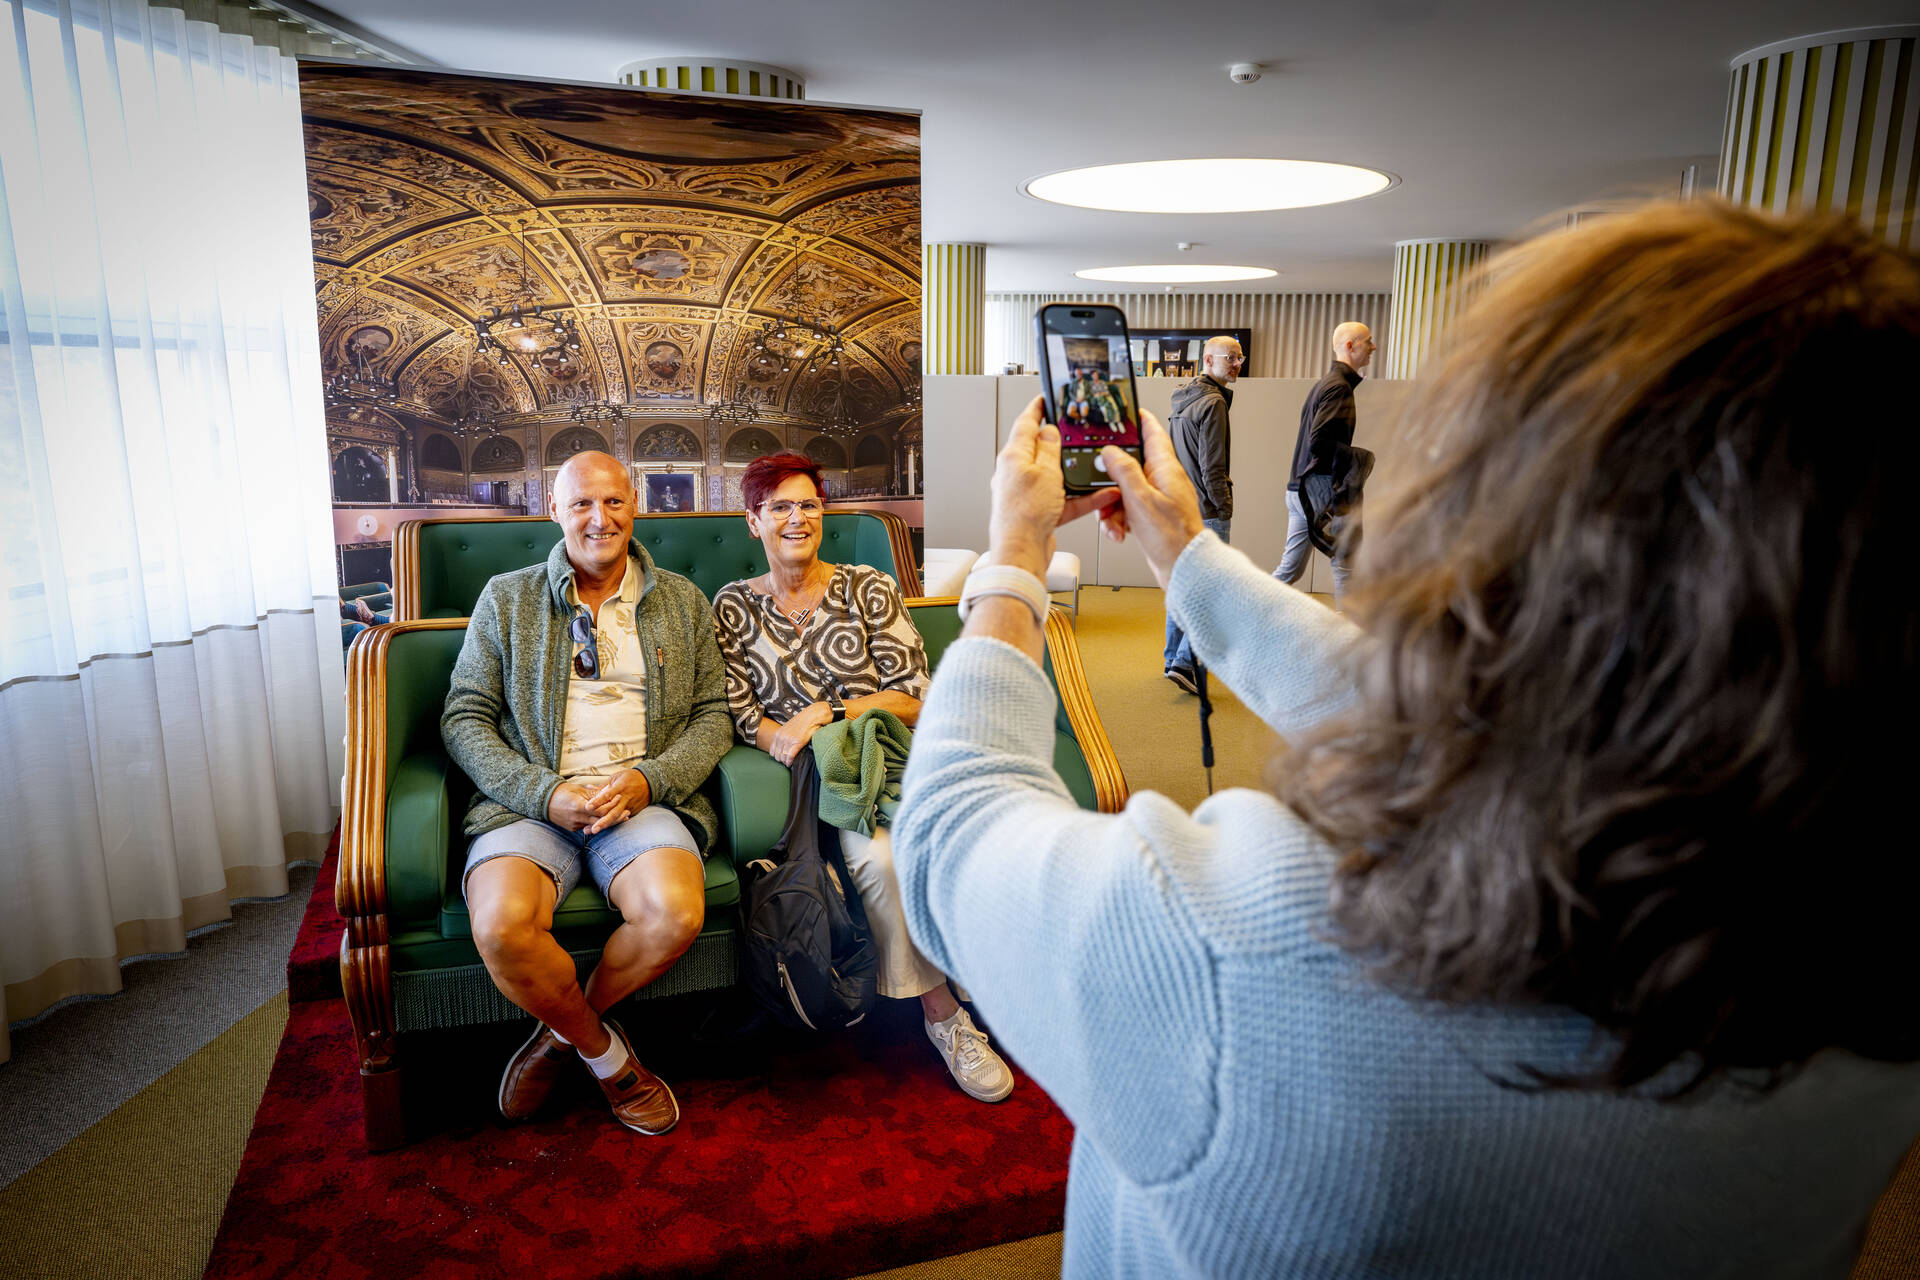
[(860, 640)]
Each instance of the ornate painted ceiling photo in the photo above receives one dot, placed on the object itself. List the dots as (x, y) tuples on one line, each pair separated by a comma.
[(657, 235)]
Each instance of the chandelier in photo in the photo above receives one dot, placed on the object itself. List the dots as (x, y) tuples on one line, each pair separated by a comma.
[(608, 411), (830, 413), (548, 334), (806, 345), (738, 408), (360, 385)]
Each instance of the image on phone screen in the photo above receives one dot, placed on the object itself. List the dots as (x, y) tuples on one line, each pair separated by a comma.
[(1093, 395)]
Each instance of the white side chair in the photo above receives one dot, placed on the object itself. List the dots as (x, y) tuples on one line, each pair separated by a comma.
[(1063, 574), (945, 570)]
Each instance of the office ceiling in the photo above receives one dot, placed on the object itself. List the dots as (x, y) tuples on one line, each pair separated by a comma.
[(1495, 116)]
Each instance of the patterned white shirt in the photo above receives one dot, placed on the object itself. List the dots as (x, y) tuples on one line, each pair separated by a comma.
[(860, 640), (605, 729)]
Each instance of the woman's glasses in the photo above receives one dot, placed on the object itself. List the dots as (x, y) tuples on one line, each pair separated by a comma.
[(586, 663), (782, 510)]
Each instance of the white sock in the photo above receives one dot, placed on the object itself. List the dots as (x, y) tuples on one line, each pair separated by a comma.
[(557, 1036), (612, 1062), (947, 1024)]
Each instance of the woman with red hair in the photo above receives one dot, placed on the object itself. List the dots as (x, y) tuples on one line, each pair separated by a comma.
[(809, 643)]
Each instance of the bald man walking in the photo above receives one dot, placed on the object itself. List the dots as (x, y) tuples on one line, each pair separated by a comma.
[(1323, 453), (588, 705)]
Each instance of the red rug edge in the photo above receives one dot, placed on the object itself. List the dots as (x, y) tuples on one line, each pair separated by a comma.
[(313, 965)]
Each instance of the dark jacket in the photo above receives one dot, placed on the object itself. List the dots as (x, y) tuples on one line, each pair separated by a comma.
[(508, 701), (1204, 443), (1327, 420)]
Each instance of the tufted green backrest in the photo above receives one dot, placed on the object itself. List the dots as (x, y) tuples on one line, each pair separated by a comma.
[(457, 557)]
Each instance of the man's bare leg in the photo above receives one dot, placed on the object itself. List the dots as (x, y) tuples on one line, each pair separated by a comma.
[(662, 900), (511, 901)]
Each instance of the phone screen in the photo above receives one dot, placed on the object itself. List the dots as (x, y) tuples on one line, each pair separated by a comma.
[(1087, 368)]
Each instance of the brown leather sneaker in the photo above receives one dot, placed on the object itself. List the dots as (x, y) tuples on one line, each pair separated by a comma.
[(641, 1100), (531, 1072)]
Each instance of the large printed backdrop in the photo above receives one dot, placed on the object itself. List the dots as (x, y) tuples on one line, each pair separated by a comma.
[(671, 225)]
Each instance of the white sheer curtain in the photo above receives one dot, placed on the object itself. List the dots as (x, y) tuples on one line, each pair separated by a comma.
[(170, 675)]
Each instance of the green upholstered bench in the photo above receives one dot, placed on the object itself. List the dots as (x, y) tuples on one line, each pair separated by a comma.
[(441, 564), (407, 960)]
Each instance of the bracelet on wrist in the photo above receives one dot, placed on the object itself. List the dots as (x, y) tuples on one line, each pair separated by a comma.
[(1005, 580)]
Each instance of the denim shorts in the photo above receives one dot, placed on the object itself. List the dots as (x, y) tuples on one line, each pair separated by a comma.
[(562, 854)]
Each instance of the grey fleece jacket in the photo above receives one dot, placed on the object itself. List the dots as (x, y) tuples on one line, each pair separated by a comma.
[(507, 704), (1203, 441)]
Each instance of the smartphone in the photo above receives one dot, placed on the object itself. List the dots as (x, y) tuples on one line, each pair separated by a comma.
[(1086, 384)]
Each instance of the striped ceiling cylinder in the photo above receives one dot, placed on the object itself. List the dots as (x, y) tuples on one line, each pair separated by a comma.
[(1433, 281), (954, 284), (1827, 122), (713, 75)]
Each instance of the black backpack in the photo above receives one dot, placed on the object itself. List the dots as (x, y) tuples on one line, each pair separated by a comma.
[(808, 953)]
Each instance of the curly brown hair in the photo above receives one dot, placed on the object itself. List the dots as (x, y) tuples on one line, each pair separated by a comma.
[(1638, 656)]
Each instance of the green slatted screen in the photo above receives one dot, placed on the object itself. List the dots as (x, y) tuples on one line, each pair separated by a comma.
[(954, 284), (1828, 123), (1433, 282)]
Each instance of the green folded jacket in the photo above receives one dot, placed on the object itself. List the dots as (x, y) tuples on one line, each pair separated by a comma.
[(861, 762)]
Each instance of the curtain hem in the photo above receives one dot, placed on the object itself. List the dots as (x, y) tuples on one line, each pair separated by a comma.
[(80, 977)]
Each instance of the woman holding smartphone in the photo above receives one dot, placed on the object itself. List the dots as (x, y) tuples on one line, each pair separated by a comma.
[(1568, 941)]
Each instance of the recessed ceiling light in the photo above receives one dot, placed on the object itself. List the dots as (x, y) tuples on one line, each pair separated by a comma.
[(1208, 186), (1177, 273)]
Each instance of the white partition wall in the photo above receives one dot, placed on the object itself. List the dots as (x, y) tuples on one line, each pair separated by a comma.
[(958, 414), (966, 420)]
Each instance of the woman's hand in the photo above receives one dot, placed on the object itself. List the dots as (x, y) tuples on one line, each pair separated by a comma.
[(1157, 505), (793, 736), (1029, 501)]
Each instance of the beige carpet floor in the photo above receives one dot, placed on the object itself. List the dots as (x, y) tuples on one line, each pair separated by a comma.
[(139, 1194)]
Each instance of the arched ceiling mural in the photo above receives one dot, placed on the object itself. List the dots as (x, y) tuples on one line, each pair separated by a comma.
[(670, 226)]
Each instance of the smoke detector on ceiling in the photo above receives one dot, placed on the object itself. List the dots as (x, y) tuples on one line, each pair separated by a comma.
[(1244, 72)]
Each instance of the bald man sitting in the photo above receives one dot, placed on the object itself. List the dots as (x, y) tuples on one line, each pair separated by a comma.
[(1322, 452), (588, 704)]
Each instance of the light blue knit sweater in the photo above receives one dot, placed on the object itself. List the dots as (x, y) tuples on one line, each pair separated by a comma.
[(1245, 1102)]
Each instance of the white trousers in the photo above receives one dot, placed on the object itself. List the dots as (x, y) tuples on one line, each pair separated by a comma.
[(904, 972)]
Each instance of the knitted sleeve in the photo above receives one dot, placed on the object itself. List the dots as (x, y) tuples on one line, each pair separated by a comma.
[(1282, 652), (1064, 924)]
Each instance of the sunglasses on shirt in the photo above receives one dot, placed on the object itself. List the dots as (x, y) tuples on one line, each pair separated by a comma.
[(586, 663)]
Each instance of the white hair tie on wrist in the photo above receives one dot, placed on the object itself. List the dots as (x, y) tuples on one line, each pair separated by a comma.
[(1005, 580)]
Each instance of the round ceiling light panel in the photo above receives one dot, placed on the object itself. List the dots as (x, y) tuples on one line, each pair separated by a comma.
[(1177, 273), (1208, 186)]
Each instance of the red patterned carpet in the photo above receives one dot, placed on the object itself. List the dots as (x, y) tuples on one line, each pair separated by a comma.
[(800, 1158)]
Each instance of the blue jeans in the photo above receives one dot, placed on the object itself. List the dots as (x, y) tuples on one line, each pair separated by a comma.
[(1179, 652), (564, 855), (1293, 561)]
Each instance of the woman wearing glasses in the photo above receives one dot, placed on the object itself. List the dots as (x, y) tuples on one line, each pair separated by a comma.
[(808, 643)]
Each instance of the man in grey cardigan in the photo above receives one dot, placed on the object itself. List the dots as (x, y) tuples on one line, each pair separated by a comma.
[(588, 705)]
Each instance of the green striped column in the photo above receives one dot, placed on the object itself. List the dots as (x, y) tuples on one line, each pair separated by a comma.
[(1827, 122), (954, 285), (1433, 281), (713, 75)]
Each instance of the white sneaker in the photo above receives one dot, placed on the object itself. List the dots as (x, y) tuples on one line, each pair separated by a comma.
[(977, 1069)]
